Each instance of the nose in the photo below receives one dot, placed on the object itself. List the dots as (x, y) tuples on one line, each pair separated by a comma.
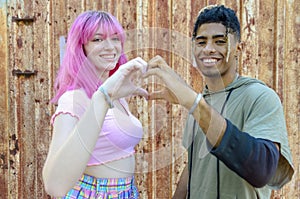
[(108, 44), (209, 48)]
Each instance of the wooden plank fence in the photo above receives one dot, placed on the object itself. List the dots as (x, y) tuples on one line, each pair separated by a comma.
[(32, 34)]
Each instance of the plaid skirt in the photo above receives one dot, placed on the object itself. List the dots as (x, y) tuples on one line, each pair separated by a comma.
[(89, 187)]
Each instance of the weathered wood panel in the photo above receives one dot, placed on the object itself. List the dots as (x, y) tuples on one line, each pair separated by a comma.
[(4, 137), (270, 31), (21, 103)]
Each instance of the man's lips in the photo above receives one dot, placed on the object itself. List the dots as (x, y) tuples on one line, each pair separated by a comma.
[(210, 60)]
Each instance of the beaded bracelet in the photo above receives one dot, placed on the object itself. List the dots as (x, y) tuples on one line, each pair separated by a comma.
[(107, 98), (196, 102)]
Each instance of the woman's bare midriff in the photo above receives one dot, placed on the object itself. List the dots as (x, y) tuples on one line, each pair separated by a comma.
[(121, 168)]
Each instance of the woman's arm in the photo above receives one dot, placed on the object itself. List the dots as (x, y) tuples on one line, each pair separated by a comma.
[(71, 146), (74, 140)]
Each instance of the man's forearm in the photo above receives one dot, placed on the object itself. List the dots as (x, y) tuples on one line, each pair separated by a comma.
[(211, 122)]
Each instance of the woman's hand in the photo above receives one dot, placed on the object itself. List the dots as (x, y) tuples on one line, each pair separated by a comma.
[(121, 84), (175, 90)]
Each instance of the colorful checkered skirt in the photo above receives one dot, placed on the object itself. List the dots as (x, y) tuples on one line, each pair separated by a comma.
[(89, 187)]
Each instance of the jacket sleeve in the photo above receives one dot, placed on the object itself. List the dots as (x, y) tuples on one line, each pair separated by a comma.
[(253, 159)]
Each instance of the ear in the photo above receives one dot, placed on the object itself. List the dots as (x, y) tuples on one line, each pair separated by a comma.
[(239, 48)]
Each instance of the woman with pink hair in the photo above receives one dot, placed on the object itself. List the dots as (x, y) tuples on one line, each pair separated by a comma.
[(91, 154)]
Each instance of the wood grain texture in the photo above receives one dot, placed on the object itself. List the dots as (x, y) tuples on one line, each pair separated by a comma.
[(270, 30)]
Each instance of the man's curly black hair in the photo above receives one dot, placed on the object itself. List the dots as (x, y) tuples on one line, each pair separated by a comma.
[(218, 14)]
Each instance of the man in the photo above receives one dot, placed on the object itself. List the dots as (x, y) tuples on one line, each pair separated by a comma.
[(235, 131)]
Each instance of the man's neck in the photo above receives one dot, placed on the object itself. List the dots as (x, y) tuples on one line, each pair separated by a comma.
[(219, 83)]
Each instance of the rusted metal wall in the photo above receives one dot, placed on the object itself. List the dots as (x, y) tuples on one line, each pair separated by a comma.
[(30, 33)]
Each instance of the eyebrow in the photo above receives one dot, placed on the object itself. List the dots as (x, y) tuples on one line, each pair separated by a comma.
[(101, 34), (214, 36)]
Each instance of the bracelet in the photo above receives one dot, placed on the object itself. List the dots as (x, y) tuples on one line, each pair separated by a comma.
[(196, 102), (107, 98)]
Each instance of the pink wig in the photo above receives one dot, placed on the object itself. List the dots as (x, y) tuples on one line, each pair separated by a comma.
[(76, 71)]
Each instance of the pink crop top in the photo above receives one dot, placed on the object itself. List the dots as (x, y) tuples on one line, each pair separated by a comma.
[(120, 132)]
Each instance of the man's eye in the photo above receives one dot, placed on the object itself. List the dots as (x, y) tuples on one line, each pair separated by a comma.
[(200, 43), (221, 42)]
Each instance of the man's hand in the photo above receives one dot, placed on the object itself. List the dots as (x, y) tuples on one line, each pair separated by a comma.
[(175, 90)]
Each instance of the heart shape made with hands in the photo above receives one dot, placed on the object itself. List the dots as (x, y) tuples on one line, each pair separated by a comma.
[(126, 80), (174, 89)]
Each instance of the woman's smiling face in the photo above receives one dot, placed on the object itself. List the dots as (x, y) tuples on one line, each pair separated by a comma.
[(104, 51)]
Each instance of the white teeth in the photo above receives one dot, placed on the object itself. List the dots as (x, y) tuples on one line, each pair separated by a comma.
[(107, 56), (210, 60)]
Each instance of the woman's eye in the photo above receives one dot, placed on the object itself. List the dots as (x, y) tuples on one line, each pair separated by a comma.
[(115, 39), (97, 40)]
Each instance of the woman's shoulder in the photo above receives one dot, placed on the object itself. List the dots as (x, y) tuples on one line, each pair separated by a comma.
[(75, 96), (73, 102)]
